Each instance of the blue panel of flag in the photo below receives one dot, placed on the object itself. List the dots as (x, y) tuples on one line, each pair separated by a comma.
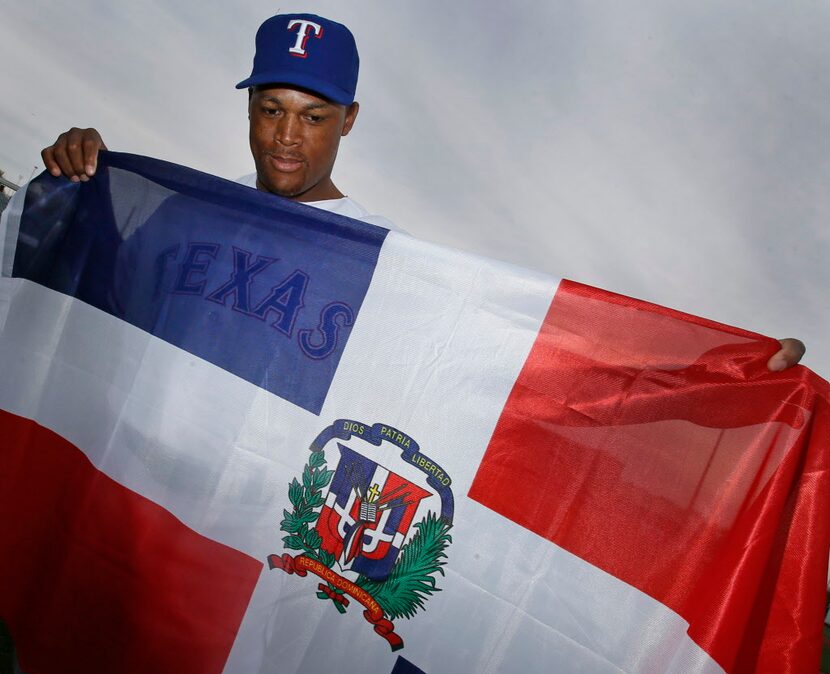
[(261, 286)]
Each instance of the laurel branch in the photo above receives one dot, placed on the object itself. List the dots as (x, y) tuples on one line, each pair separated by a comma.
[(411, 581), (307, 499)]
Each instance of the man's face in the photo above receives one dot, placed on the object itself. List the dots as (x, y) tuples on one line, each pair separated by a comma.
[(294, 138)]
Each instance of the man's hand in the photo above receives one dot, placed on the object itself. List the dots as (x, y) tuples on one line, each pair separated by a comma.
[(792, 351), (74, 154)]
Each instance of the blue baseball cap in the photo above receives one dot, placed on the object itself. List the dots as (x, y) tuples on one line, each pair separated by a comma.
[(307, 51)]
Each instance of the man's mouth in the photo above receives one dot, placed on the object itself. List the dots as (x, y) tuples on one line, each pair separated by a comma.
[(285, 163)]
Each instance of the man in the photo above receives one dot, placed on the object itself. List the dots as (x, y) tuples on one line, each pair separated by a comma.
[(300, 104)]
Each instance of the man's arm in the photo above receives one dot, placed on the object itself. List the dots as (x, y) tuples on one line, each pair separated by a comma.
[(74, 154)]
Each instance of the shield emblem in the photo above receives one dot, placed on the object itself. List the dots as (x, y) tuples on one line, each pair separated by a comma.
[(367, 514)]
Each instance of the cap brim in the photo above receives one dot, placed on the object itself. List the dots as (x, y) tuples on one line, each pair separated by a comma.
[(313, 84)]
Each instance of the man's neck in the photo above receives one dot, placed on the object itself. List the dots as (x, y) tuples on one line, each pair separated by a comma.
[(316, 193)]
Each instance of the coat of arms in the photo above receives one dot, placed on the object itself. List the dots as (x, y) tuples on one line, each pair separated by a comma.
[(374, 533)]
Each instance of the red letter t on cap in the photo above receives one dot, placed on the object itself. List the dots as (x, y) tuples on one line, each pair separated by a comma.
[(303, 34)]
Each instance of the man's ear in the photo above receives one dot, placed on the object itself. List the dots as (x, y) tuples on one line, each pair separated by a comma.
[(250, 98), (351, 115)]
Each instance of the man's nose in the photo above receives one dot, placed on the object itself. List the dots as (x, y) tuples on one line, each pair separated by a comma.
[(287, 131)]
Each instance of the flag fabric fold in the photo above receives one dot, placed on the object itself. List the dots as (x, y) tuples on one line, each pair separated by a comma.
[(241, 434)]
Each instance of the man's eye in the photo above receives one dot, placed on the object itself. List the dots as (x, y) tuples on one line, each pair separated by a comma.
[(269, 111), (314, 119)]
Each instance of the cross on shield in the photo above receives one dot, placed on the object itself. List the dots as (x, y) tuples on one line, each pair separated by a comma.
[(367, 514)]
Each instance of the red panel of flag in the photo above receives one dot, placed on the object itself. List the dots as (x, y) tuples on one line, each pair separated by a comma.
[(96, 578), (656, 446)]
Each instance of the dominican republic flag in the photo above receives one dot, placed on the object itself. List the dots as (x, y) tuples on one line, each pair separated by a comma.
[(241, 434)]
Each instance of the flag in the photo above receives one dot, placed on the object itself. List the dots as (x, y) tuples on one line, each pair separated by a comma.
[(242, 434)]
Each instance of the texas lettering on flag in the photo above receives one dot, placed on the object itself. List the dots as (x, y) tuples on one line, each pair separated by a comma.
[(241, 434)]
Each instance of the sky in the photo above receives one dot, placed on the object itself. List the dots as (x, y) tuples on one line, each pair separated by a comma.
[(674, 151)]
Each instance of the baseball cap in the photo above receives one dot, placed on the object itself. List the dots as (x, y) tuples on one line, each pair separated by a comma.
[(307, 51)]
